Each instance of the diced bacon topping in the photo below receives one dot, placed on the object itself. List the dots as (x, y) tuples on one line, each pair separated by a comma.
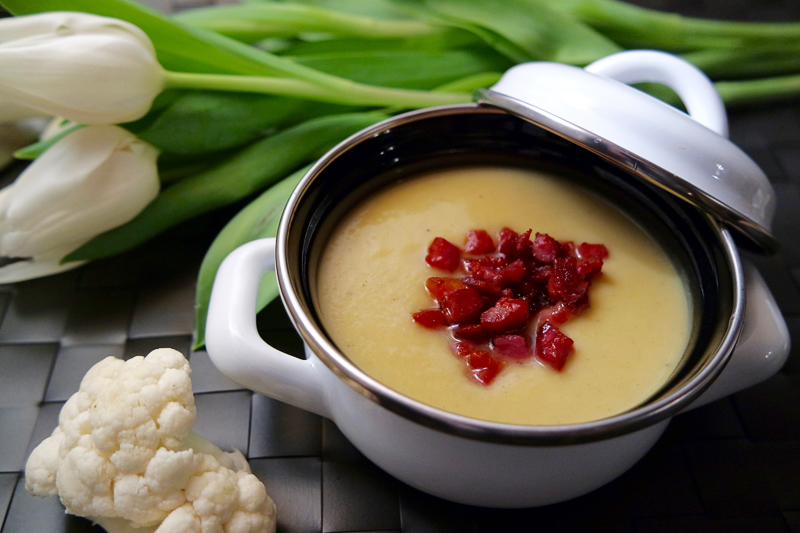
[(472, 332), (514, 272), (463, 306), (512, 346), (545, 248), (479, 242), (596, 251), (431, 318), (566, 283), (552, 346), (444, 255), (507, 315), (482, 367), (483, 287), (507, 243), (438, 288), (526, 287)]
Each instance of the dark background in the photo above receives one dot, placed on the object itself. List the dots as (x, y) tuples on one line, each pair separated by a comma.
[(731, 466)]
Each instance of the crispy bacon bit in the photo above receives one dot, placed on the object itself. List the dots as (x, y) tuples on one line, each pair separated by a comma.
[(524, 245), (507, 244), (596, 251), (507, 315), (545, 248), (566, 283), (494, 261), (484, 287), (552, 346), (438, 288), (463, 306), (514, 272), (512, 346), (557, 314), (479, 242), (472, 332), (444, 255), (525, 287), (431, 318), (482, 366)]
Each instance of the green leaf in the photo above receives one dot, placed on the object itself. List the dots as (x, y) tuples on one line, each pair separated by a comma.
[(746, 62), (199, 122), (256, 221), (453, 39), (382, 9), (637, 27), (248, 172), (530, 25), (34, 150), (407, 69), (253, 22)]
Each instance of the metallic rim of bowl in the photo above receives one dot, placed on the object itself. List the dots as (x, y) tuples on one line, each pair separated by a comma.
[(646, 170), (616, 425)]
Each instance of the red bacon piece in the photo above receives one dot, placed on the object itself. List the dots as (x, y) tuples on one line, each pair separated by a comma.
[(507, 243), (438, 288), (597, 251), (507, 315), (472, 332), (479, 242), (444, 255), (463, 306), (430, 318), (566, 283), (552, 346), (511, 346), (545, 248)]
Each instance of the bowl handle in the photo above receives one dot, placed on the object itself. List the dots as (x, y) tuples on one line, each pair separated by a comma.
[(233, 342), (763, 346), (695, 89)]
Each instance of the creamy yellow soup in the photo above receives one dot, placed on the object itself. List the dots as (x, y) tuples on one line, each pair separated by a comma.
[(372, 274)]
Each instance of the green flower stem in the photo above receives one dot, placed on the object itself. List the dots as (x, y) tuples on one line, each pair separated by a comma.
[(761, 90), (739, 92), (747, 62), (350, 93), (637, 27), (253, 22)]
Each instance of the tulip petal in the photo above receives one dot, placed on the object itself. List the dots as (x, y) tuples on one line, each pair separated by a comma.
[(92, 180), (37, 268), (94, 70)]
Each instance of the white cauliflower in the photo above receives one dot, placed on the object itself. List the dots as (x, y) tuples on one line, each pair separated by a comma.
[(124, 456)]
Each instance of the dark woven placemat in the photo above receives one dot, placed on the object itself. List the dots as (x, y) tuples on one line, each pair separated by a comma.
[(733, 465)]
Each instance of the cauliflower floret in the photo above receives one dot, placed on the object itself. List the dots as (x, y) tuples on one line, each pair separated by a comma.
[(123, 455)]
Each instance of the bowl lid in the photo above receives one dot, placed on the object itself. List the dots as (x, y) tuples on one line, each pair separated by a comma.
[(688, 155)]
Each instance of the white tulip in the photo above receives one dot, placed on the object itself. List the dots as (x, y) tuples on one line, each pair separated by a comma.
[(87, 68), (12, 111), (92, 180)]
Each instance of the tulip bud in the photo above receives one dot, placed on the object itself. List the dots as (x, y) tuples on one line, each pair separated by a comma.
[(92, 180), (87, 68), (12, 111)]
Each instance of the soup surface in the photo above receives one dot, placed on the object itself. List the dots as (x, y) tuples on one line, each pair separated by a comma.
[(372, 276)]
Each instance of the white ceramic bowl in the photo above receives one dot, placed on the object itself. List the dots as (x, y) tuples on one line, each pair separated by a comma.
[(472, 461)]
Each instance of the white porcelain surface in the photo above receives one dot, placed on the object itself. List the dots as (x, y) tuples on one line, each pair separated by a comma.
[(692, 148)]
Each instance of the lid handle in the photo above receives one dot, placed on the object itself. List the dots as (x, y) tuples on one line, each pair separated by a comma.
[(694, 88)]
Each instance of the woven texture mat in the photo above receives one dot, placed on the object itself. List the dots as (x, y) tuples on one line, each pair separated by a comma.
[(733, 465)]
